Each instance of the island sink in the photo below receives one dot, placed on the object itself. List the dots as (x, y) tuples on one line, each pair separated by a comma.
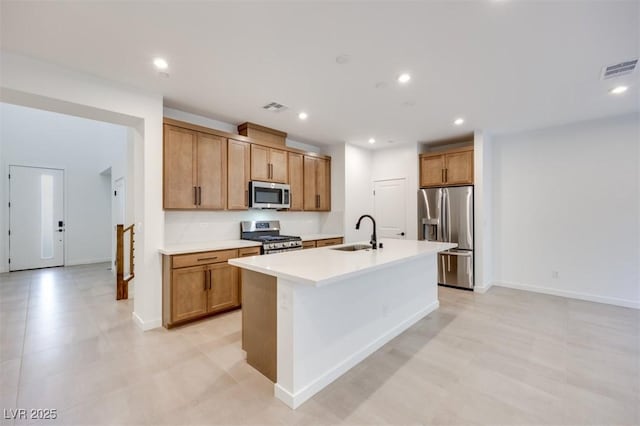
[(353, 247)]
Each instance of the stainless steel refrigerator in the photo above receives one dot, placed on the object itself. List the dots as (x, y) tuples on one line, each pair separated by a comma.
[(446, 214)]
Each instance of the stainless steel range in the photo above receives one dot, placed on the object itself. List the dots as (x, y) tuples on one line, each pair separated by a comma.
[(268, 233)]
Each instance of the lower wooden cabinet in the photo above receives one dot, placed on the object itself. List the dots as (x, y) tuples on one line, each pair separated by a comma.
[(328, 242), (223, 287), (197, 285), (188, 293), (308, 244), (322, 243)]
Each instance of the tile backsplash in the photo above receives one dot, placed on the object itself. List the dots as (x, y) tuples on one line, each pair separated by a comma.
[(201, 226)]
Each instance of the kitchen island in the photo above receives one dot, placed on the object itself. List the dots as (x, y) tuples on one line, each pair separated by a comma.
[(309, 316)]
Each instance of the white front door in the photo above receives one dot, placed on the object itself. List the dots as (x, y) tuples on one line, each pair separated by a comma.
[(390, 206), (36, 217)]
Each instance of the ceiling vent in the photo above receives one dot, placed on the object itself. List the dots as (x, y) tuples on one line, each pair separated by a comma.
[(275, 107), (618, 70)]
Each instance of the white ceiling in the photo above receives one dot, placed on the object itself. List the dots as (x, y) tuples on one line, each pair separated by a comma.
[(502, 65)]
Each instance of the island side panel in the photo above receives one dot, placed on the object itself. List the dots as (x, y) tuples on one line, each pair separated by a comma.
[(259, 322), (324, 331)]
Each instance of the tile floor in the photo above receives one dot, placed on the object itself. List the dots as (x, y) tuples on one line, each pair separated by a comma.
[(505, 357)]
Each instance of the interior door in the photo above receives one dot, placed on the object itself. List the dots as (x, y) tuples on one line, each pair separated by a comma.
[(36, 218), (390, 206)]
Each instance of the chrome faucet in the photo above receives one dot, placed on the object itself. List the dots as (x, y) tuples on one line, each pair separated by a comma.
[(374, 239)]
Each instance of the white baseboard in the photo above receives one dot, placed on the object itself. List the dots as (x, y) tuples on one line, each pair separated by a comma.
[(295, 400), (483, 289), (635, 304), (86, 261), (146, 325)]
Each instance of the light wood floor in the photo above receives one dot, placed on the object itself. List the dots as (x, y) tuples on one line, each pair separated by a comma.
[(505, 357)]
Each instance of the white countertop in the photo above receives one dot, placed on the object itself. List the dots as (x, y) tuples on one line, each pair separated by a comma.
[(324, 265), (311, 237), (207, 246)]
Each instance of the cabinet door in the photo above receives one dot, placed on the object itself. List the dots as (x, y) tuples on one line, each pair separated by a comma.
[(328, 242), (223, 287), (308, 244), (279, 170), (310, 183), (296, 180), (212, 172), (260, 169), (188, 293), (432, 171), (323, 184), (459, 167), (179, 178), (238, 175)]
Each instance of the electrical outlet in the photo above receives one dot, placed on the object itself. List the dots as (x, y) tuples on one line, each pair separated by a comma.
[(554, 274)]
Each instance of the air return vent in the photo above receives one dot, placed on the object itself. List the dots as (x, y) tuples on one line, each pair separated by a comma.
[(617, 70), (275, 107)]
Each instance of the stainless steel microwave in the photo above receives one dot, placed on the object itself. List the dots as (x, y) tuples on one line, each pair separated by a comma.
[(267, 195)]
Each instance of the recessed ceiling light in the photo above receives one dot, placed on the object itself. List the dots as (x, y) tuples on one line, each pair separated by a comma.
[(372, 141), (303, 116), (342, 59), (458, 121), (404, 78), (160, 63), (618, 90)]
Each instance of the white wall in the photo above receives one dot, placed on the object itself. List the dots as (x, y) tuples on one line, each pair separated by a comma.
[(566, 199), (483, 211), (358, 191), (83, 149), (34, 83), (199, 226), (397, 163)]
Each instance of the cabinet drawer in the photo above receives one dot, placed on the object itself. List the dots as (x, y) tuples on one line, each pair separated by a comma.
[(249, 251), (328, 242), (308, 244), (204, 258)]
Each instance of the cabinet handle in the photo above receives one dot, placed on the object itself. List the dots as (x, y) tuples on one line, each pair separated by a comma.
[(446, 175), (199, 195), (246, 198), (202, 259), (206, 280), (210, 280), (317, 201), (442, 175), (195, 195), (271, 170)]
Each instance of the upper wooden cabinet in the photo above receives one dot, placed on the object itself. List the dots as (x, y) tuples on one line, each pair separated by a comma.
[(453, 167), (317, 184), (239, 162), (211, 169), (296, 181), (195, 170), (268, 164)]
